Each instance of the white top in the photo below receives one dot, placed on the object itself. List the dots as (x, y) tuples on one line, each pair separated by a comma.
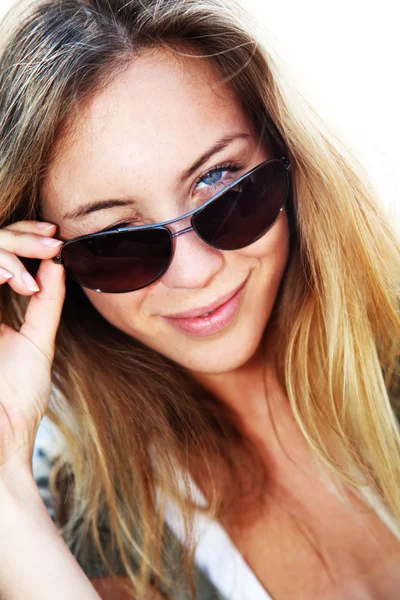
[(216, 554), (218, 558)]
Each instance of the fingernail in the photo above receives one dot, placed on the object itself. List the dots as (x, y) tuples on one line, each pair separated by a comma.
[(30, 282), (45, 226), (50, 242), (5, 274)]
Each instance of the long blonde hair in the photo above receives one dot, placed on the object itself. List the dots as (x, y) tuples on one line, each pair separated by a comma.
[(336, 318)]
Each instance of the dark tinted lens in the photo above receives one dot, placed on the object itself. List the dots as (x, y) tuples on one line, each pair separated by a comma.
[(245, 212), (120, 261)]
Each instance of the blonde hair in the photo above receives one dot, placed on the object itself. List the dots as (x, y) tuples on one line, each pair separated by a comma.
[(336, 318)]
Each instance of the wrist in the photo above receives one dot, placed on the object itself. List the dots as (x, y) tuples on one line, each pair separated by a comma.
[(17, 481)]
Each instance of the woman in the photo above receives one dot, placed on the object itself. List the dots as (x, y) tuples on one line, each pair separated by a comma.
[(224, 349)]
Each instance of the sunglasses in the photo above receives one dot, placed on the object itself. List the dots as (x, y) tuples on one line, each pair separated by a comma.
[(126, 259)]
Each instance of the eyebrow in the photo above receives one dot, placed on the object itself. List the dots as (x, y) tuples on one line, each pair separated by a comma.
[(86, 209), (217, 147)]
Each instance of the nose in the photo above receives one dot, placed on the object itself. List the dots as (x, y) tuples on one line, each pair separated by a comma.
[(194, 263)]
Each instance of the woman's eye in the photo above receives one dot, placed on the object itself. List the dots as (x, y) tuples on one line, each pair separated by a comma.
[(216, 178), (120, 225), (211, 178)]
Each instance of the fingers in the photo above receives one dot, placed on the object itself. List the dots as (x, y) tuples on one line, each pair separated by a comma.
[(14, 272), (30, 245), (31, 239), (39, 227), (44, 310)]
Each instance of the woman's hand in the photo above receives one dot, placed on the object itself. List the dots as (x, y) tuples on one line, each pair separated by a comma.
[(26, 355)]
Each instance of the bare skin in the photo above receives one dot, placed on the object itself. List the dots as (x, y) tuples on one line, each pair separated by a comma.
[(118, 151), (306, 542)]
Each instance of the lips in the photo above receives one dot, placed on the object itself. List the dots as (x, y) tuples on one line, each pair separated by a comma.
[(205, 310), (210, 319)]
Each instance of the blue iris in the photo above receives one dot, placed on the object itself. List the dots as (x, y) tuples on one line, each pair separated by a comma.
[(213, 177)]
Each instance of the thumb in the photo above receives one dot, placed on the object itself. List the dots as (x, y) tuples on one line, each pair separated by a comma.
[(43, 314)]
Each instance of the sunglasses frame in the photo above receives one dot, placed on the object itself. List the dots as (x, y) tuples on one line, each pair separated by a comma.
[(284, 160)]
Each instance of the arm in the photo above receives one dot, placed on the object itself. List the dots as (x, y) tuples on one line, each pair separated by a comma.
[(35, 562)]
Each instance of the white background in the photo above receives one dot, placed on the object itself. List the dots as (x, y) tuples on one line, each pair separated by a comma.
[(345, 58)]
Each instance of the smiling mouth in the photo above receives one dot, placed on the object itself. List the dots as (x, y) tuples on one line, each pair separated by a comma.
[(209, 309), (211, 319)]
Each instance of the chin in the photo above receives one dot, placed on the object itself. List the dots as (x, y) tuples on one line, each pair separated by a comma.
[(216, 354), (224, 362)]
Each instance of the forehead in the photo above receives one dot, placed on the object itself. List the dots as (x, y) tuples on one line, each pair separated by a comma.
[(159, 114)]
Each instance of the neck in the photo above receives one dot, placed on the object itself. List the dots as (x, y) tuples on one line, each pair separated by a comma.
[(242, 389), (253, 392)]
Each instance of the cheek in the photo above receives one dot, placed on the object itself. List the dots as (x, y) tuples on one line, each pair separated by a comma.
[(273, 247), (119, 309)]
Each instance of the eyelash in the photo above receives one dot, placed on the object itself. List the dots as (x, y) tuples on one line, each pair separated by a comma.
[(231, 167)]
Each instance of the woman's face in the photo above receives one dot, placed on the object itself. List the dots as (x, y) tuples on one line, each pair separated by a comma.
[(133, 142)]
